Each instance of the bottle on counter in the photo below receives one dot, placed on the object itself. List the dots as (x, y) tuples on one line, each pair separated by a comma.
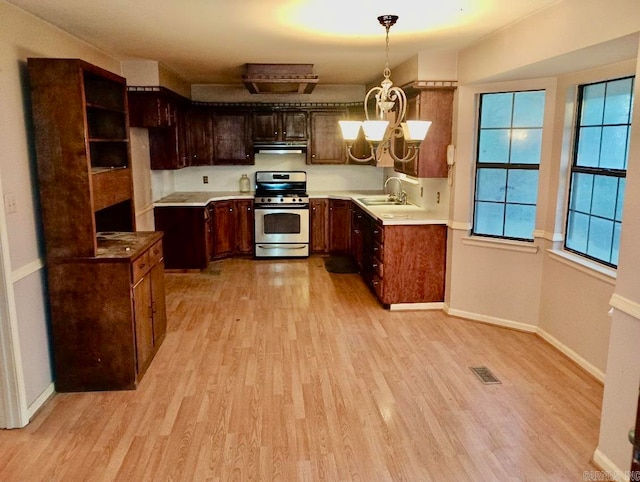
[(245, 184)]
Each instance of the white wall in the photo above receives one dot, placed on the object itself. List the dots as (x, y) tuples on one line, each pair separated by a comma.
[(563, 298), (23, 36), (623, 364)]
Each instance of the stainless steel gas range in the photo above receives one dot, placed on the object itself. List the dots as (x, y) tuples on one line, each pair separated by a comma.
[(281, 207)]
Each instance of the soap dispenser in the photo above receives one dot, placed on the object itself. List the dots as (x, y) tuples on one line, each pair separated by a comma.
[(244, 183)]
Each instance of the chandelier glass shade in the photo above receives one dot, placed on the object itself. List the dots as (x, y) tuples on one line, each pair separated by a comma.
[(387, 121)]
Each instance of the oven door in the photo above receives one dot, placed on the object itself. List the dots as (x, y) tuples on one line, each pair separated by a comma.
[(281, 225)]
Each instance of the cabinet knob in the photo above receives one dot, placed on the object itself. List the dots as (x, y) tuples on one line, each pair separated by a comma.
[(230, 210)]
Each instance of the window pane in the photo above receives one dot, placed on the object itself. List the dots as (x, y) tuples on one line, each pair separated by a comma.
[(577, 231), (491, 185), (618, 102), (605, 191), (520, 221), (615, 248), (489, 218), (494, 146), (589, 146), (592, 104), (619, 204), (522, 186), (525, 146), (496, 110), (614, 147), (581, 192), (528, 109), (600, 239)]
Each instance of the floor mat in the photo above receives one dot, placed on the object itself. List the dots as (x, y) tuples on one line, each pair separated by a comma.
[(340, 264)]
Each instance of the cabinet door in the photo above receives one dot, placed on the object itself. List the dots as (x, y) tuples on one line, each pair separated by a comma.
[(143, 320), (200, 145), (357, 226), (231, 138), (158, 305), (149, 109), (319, 228), (244, 221), (265, 126), (435, 105), (326, 145), (223, 226), (186, 232), (294, 126), (339, 226)]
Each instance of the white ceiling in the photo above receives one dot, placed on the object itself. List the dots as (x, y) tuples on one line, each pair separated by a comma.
[(209, 41)]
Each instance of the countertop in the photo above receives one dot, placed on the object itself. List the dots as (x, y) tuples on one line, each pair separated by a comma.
[(389, 215), (125, 245)]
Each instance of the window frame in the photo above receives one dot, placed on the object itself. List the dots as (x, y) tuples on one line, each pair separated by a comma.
[(508, 166), (595, 171)]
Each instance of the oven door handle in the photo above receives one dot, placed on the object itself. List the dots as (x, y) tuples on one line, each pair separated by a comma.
[(281, 246)]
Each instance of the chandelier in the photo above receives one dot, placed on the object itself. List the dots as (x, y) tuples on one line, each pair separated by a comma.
[(387, 123)]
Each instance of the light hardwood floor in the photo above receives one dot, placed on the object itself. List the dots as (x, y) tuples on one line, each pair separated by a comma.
[(278, 370)]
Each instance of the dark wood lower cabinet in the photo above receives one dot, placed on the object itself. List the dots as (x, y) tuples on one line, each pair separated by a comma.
[(187, 236), (400, 263), (318, 216), (339, 226), (244, 226), (195, 235), (108, 313), (223, 218)]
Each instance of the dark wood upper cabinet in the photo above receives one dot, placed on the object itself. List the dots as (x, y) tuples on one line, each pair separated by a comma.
[(200, 136), (279, 125), (326, 145), (163, 112), (435, 105), (232, 137)]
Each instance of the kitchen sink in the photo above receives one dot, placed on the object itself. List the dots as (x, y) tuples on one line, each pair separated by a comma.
[(380, 201)]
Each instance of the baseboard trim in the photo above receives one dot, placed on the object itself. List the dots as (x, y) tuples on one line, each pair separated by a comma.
[(41, 400), (557, 344), (416, 306), (580, 361), (491, 320), (603, 462)]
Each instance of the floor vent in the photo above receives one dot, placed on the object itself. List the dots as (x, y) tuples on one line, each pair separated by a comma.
[(485, 375)]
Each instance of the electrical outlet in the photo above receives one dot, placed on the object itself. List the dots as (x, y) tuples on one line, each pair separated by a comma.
[(205, 179), (10, 203)]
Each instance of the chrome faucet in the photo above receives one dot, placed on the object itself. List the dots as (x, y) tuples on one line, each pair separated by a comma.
[(400, 194)]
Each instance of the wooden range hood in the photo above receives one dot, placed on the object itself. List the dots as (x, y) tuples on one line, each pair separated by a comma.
[(279, 78)]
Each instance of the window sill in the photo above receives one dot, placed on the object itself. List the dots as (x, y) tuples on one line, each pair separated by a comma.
[(503, 244), (603, 273)]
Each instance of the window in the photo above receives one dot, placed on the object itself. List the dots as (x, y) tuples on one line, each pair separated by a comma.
[(507, 162), (598, 170)]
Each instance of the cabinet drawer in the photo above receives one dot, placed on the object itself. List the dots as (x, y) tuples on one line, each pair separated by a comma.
[(140, 266), (378, 287), (378, 233), (378, 250), (155, 254), (378, 267)]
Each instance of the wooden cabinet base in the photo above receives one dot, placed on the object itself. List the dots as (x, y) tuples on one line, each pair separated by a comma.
[(108, 318)]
